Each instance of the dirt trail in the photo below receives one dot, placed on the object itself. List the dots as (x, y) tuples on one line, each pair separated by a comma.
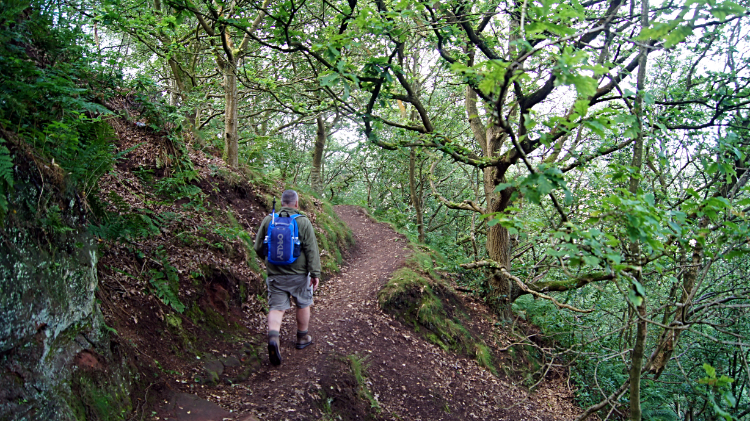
[(408, 378)]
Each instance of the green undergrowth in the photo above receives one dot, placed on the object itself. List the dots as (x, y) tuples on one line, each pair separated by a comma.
[(419, 297), (332, 233)]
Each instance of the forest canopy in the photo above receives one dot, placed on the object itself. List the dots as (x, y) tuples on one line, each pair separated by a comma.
[(581, 164)]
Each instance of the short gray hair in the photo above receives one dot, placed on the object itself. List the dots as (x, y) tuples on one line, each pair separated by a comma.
[(289, 197)]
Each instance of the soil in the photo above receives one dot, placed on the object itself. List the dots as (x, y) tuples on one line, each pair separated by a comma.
[(406, 377)]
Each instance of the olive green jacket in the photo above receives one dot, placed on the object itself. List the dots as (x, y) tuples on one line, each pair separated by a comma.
[(308, 260)]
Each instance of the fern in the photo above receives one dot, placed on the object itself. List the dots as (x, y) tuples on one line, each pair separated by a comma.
[(179, 186), (131, 226), (6, 165), (659, 415), (6, 178), (166, 285)]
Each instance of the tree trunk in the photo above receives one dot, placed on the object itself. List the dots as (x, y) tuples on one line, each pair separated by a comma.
[(503, 291), (416, 200), (490, 138), (231, 145), (637, 364), (316, 173), (669, 337)]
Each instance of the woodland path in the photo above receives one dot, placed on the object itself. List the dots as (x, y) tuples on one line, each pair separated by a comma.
[(410, 378)]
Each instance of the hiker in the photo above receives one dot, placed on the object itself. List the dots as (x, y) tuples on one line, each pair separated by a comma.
[(297, 279)]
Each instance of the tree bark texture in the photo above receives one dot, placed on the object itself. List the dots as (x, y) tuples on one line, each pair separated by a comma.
[(416, 198), (503, 291), (669, 337), (231, 141), (316, 173)]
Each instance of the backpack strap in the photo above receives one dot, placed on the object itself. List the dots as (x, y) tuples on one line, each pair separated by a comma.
[(289, 215)]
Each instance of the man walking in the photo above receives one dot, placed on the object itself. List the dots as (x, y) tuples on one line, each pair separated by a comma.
[(298, 279)]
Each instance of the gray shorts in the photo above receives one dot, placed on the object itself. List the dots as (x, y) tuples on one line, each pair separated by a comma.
[(281, 287)]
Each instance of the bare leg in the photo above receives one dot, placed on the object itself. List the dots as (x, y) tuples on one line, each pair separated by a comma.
[(274, 319), (274, 324), (303, 319)]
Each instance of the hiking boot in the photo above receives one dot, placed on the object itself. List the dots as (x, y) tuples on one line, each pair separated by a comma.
[(303, 341), (273, 350)]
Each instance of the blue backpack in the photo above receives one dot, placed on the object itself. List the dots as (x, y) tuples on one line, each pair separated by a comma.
[(282, 239)]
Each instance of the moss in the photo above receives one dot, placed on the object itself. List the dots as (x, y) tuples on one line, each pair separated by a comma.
[(215, 319), (434, 311), (252, 262), (425, 260), (433, 338), (359, 366), (328, 231), (174, 325), (173, 321), (484, 357), (97, 398), (420, 260), (195, 314), (329, 266)]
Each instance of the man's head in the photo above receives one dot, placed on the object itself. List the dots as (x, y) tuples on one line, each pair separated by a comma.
[(289, 198)]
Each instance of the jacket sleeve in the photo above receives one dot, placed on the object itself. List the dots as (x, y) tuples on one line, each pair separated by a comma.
[(310, 248), (259, 237)]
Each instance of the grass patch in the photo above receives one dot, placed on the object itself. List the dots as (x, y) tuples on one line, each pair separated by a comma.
[(332, 233), (358, 366)]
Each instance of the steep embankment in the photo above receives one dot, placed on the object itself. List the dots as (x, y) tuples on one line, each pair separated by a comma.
[(178, 279), (112, 289)]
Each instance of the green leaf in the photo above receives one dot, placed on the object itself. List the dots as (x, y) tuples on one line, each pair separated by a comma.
[(639, 288), (330, 80), (729, 398), (658, 31), (581, 107), (634, 299), (595, 126), (502, 186), (585, 85), (6, 165), (591, 260), (535, 27), (487, 86), (727, 8), (678, 35), (710, 371), (735, 253)]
